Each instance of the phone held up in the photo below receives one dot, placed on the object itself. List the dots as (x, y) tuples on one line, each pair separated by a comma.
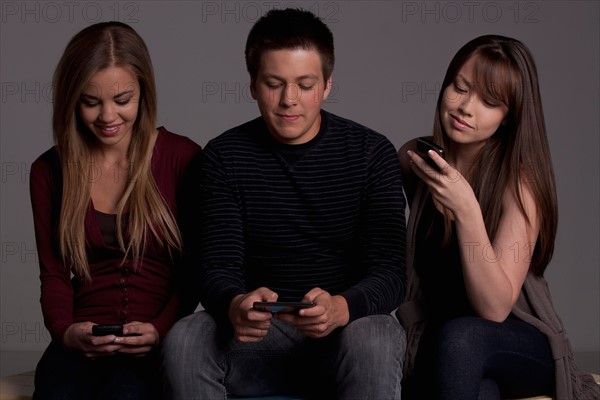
[(282, 306), (423, 146)]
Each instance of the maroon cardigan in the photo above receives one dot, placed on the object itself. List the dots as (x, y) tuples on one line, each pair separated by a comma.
[(118, 293)]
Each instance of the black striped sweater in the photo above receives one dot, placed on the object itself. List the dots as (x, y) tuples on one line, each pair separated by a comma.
[(333, 218)]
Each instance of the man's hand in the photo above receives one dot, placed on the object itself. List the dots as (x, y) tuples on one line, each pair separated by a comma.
[(330, 312), (250, 325)]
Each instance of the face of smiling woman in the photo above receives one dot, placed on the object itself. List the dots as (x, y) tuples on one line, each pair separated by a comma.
[(109, 106), (469, 118), (290, 90)]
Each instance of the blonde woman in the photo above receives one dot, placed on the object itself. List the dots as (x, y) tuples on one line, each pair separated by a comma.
[(104, 204)]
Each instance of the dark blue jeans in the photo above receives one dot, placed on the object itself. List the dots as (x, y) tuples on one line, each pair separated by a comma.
[(360, 361), (68, 375), (473, 358)]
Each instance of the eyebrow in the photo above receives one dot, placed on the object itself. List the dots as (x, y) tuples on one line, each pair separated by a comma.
[(90, 96), (463, 79), (300, 78)]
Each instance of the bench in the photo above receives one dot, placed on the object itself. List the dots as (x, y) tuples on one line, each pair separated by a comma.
[(17, 387), (20, 387)]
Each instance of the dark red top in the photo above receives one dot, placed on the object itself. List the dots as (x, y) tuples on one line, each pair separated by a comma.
[(118, 293)]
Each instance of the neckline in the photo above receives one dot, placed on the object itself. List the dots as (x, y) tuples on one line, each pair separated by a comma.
[(103, 214)]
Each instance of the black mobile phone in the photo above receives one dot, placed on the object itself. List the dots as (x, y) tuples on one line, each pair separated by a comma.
[(103, 330), (423, 146), (282, 306)]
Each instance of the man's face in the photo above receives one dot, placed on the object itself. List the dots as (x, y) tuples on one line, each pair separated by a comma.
[(290, 89)]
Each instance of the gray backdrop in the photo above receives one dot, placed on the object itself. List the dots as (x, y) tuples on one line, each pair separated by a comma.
[(391, 58)]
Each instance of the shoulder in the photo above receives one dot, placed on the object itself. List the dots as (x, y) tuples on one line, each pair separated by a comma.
[(244, 140), (46, 172), (50, 156), (344, 132), (350, 128), (174, 149), (47, 162), (169, 141), (245, 133)]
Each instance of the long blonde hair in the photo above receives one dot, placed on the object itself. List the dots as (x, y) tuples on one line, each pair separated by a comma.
[(95, 48), (505, 70)]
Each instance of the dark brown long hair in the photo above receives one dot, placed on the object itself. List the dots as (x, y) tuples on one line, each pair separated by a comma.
[(519, 149)]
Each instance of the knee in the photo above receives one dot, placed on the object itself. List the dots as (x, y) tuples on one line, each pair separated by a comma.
[(375, 336), (187, 335), (463, 337), (176, 335)]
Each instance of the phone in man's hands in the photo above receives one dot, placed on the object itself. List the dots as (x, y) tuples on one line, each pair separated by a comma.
[(282, 306)]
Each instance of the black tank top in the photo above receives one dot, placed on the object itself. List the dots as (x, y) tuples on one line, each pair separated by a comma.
[(439, 267)]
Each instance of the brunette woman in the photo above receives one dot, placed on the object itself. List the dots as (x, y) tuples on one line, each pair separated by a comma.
[(482, 226)]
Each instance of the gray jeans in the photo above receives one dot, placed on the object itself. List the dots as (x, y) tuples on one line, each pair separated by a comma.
[(361, 361)]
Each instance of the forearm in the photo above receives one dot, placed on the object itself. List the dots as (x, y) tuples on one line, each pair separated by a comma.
[(383, 245), (488, 287), (168, 316), (57, 307), (219, 284)]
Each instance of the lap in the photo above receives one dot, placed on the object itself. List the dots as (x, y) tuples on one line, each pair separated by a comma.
[(470, 335), (200, 329), (285, 359), (513, 354), (63, 374)]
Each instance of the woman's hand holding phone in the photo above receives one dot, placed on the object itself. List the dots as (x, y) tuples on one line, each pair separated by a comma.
[(424, 145), (447, 185), (79, 336), (138, 338)]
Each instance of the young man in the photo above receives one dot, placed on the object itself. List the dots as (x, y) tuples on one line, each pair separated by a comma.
[(298, 204)]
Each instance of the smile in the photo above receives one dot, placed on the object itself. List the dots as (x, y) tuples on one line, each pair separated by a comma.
[(459, 123), (109, 130)]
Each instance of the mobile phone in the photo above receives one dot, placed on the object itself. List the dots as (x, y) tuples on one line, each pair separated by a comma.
[(423, 146), (282, 306), (103, 330)]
